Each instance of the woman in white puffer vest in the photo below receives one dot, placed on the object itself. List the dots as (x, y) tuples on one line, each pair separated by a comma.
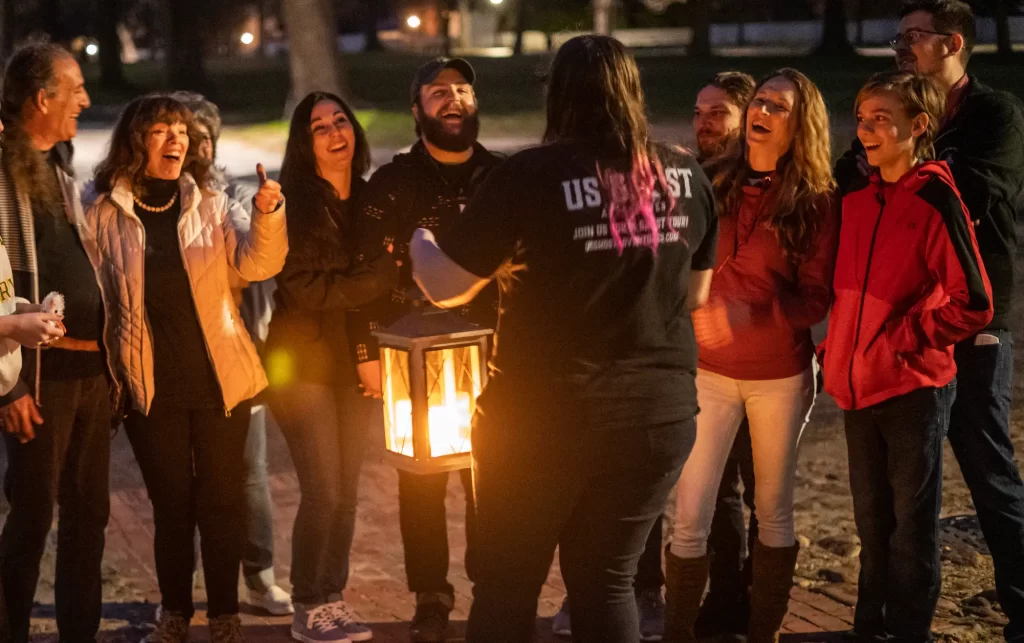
[(166, 245)]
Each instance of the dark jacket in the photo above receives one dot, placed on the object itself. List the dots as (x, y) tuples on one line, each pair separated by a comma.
[(409, 193), (909, 284), (308, 339), (983, 144)]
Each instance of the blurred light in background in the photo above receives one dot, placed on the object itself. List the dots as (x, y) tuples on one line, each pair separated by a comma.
[(248, 38), (496, 2), (413, 22), (92, 49)]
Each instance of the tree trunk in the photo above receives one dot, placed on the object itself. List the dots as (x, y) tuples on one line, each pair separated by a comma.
[(312, 49), (603, 17), (834, 41), (1003, 39), (370, 27), (448, 7), (520, 27), (185, 55), (111, 71), (700, 43)]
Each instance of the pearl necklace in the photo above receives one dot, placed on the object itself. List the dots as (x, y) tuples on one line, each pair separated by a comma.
[(151, 208)]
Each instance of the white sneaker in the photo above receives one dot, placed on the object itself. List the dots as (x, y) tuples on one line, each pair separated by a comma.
[(349, 622), (275, 600)]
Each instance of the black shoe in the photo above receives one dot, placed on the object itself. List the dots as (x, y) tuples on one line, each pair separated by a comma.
[(430, 624)]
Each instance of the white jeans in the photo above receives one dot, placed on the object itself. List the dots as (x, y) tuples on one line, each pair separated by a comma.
[(778, 411)]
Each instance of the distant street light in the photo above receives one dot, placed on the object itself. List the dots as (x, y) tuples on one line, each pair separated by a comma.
[(92, 49), (248, 38), (413, 22), (497, 2)]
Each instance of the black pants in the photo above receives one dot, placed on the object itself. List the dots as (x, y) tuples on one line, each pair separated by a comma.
[(895, 453), (593, 495), (731, 570), (649, 574), (191, 461), (68, 462), (979, 431), (424, 524)]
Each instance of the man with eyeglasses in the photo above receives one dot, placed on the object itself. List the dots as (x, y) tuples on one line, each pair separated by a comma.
[(981, 137)]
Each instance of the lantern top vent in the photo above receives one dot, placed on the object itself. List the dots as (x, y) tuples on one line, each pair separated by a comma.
[(427, 326)]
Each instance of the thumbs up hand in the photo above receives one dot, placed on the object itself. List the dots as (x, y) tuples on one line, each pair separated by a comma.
[(269, 195)]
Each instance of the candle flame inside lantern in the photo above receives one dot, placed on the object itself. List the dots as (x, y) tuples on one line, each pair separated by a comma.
[(449, 409)]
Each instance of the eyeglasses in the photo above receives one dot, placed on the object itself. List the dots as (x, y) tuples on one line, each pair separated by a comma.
[(913, 36)]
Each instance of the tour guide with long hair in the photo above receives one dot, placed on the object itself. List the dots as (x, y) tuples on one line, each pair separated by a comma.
[(601, 242), (164, 246), (772, 282)]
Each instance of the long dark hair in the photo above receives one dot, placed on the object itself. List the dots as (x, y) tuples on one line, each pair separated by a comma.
[(299, 176), (594, 96), (127, 157), (804, 173)]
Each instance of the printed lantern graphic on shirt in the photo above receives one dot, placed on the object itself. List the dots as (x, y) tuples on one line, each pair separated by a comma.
[(432, 370)]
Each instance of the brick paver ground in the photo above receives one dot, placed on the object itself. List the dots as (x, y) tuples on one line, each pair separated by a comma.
[(377, 588)]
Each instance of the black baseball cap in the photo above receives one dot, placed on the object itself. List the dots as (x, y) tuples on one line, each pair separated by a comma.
[(430, 69)]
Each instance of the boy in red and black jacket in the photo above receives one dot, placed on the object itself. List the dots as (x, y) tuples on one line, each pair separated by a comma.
[(909, 284)]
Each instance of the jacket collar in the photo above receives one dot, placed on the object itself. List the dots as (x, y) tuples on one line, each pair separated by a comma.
[(191, 195)]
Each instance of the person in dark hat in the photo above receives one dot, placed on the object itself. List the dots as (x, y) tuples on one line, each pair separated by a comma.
[(425, 188)]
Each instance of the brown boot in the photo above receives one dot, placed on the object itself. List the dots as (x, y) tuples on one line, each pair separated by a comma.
[(685, 579), (769, 595)]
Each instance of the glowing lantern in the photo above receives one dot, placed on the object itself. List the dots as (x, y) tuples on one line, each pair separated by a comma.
[(433, 367)]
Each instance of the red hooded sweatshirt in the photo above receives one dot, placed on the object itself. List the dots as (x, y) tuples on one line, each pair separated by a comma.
[(787, 297), (909, 284)]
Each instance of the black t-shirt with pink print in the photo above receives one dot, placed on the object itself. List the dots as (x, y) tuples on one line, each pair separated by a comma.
[(586, 335)]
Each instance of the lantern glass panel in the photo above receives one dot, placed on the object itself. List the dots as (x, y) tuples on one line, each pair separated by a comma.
[(453, 384), (397, 401)]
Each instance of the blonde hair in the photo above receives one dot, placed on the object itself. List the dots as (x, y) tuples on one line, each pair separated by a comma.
[(800, 195), (917, 95)]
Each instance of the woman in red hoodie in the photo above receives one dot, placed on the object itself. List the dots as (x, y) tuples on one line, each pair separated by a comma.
[(909, 285), (772, 282)]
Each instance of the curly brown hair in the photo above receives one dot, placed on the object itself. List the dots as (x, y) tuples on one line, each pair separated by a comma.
[(917, 95), (127, 157), (800, 195)]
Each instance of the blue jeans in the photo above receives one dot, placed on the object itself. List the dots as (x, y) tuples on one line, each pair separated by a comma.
[(258, 545), (594, 495), (979, 432), (895, 453), (326, 429)]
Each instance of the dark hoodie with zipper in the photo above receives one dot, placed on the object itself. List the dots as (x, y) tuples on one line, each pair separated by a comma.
[(909, 284), (982, 141), (414, 191), (308, 340)]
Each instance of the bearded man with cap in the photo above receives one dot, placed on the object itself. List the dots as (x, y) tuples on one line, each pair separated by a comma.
[(425, 188)]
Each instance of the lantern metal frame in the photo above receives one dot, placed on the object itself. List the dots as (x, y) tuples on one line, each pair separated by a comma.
[(426, 329)]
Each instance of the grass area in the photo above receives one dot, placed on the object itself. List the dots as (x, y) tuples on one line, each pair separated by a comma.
[(510, 90)]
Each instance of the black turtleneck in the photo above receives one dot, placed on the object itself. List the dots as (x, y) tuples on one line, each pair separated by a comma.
[(183, 374), (65, 268)]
